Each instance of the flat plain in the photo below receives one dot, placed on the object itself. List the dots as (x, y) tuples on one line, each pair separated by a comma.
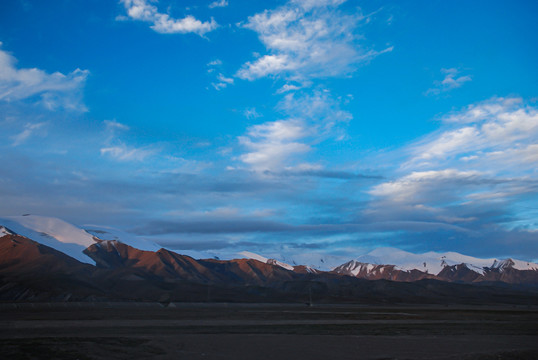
[(266, 331)]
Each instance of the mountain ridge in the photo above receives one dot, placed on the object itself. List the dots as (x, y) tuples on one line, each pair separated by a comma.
[(383, 263), (30, 271)]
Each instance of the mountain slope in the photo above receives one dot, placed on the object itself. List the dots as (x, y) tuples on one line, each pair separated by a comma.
[(110, 233), (30, 271), (68, 238), (377, 272), (130, 257), (166, 264), (507, 271), (162, 264), (33, 271), (21, 255), (52, 232), (398, 265)]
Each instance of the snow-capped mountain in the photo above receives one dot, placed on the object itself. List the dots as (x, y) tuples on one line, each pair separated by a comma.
[(398, 265), (66, 237), (110, 233), (250, 255), (382, 263), (313, 260), (378, 272), (430, 262), (514, 264), (52, 232)]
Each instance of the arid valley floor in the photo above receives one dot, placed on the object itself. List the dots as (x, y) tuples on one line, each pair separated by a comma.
[(265, 331)]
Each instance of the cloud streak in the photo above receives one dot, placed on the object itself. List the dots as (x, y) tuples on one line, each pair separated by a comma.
[(495, 128), (54, 91), (125, 153), (222, 82), (30, 129), (478, 171), (278, 145), (306, 39), (272, 144)]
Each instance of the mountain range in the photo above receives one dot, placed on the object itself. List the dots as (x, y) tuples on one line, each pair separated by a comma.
[(43, 258)]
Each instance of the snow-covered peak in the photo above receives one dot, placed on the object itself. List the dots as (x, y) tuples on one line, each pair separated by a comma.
[(311, 261), (56, 228), (476, 269), (354, 268), (430, 262), (68, 238), (314, 260), (251, 255), (310, 270), (110, 233), (52, 232), (72, 240), (514, 264)]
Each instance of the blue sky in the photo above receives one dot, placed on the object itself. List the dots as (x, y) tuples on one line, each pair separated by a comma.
[(315, 125)]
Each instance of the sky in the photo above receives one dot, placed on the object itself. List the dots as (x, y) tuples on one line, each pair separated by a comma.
[(294, 126)]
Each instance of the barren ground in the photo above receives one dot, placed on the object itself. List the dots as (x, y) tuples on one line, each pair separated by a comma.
[(265, 331)]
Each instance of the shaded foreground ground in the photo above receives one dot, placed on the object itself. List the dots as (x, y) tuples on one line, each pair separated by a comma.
[(265, 331)]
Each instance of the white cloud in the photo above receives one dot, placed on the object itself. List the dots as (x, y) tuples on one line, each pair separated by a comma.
[(306, 39), (271, 144), (212, 65), (266, 65), (278, 130), (225, 79), (479, 166), (162, 23), (223, 82), (215, 62), (419, 184), (123, 152), (524, 155), (450, 143), (310, 4), (287, 87), (469, 158), (116, 149), (29, 130), (251, 113), (218, 3), (498, 125), (483, 110), (113, 125), (450, 82), (54, 90), (320, 110), (277, 145), (112, 128)]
